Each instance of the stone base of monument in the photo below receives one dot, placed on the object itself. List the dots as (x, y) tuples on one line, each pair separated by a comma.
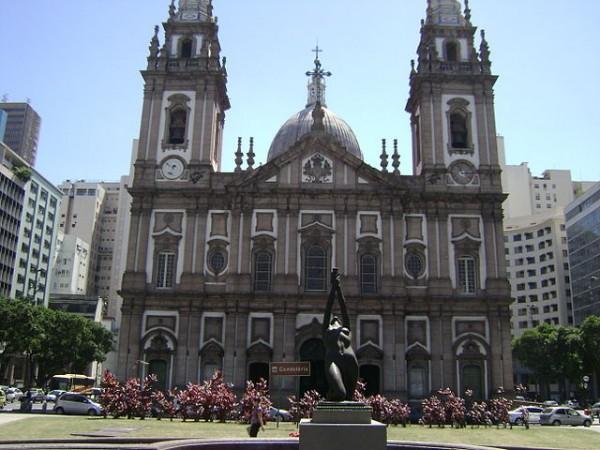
[(342, 426)]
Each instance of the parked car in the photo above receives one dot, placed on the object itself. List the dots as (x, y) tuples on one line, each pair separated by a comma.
[(563, 415), (37, 395), (2, 399), (550, 403), (72, 403), (13, 394), (53, 395), (516, 415), (595, 410), (279, 415)]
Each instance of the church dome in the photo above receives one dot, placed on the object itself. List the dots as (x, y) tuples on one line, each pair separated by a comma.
[(301, 124)]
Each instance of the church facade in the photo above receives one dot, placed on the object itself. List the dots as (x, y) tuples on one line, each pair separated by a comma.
[(230, 270)]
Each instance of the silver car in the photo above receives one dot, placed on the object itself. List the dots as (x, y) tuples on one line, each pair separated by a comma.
[(71, 403), (563, 415)]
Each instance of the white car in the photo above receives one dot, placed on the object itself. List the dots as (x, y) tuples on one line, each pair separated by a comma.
[(53, 395), (516, 415), (13, 394), (72, 403)]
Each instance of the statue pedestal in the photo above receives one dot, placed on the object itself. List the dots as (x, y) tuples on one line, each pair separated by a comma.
[(342, 426)]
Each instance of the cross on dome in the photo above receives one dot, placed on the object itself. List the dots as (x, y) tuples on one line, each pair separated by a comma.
[(316, 87)]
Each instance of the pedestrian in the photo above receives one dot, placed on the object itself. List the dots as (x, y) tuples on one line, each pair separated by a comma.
[(256, 421), (525, 417)]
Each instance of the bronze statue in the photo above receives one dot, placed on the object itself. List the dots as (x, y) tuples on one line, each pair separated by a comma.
[(341, 366)]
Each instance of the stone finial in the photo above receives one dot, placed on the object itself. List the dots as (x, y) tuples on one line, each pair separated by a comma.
[(429, 12), (484, 54), (154, 44), (383, 157), (467, 12), (396, 158), (250, 155), (172, 9), (318, 115), (239, 156), (412, 68)]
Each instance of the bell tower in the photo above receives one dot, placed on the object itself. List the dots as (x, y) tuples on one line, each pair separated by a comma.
[(185, 99), (452, 102)]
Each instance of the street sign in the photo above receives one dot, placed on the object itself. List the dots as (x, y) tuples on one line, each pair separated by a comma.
[(290, 369)]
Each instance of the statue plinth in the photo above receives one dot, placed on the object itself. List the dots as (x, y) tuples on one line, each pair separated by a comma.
[(342, 413), (342, 426)]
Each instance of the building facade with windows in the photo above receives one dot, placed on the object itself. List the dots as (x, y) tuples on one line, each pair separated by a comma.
[(230, 270), (12, 195), (583, 231), (537, 254), (22, 129), (28, 195), (538, 268)]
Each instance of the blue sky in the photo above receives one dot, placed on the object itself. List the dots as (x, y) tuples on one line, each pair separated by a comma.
[(79, 62)]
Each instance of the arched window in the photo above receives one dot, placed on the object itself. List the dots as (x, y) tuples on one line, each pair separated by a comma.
[(452, 51), (467, 279), (165, 271), (263, 268), (368, 274), (459, 131), (186, 48), (315, 269), (177, 125)]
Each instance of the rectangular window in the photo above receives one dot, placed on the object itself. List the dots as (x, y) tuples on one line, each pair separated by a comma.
[(466, 274), (368, 274), (263, 267), (165, 270)]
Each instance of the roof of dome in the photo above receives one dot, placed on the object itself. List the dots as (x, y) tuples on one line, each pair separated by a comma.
[(301, 124)]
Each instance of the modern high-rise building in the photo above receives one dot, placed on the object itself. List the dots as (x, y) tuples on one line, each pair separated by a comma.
[(583, 231), (230, 270), (22, 130), (95, 216), (28, 195), (12, 193), (3, 119), (536, 245)]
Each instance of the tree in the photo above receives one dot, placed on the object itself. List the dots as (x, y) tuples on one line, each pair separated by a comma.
[(552, 352), (42, 335), (87, 341), (256, 395), (590, 340), (20, 332)]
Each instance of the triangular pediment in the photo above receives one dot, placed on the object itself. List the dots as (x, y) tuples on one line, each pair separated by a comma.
[(318, 161)]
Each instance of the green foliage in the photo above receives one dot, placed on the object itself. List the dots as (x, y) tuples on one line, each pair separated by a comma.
[(560, 353), (590, 336), (56, 341), (22, 173)]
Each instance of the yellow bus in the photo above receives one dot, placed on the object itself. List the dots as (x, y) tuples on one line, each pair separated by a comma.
[(72, 383)]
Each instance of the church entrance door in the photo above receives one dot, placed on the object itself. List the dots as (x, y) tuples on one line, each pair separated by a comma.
[(258, 370), (370, 375), (158, 367), (313, 351)]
